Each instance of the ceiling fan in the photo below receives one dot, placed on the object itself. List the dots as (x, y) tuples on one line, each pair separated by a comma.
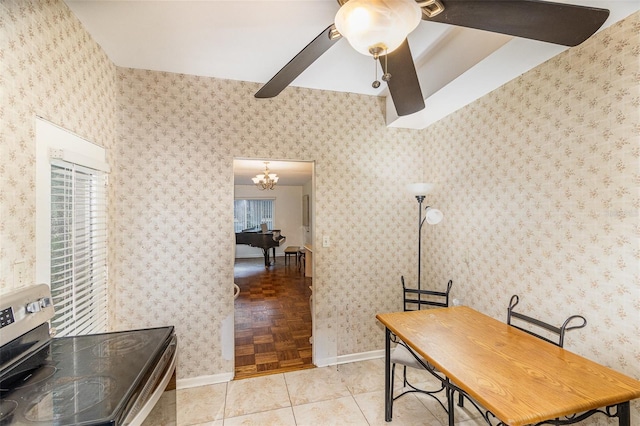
[(558, 23)]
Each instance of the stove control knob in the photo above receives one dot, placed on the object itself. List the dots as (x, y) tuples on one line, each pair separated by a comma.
[(34, 307), (38, 305)]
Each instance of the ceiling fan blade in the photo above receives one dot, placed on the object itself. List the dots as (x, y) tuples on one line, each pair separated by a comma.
[(299, 63), (403, 85), (558, 23)]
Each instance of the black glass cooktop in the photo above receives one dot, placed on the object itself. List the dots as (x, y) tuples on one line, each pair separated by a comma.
[(80, 380)]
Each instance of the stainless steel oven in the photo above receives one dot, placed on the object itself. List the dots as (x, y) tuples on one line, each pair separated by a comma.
[(98, 379)]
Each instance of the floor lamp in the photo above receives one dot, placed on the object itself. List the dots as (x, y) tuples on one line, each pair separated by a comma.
[(432, 216)]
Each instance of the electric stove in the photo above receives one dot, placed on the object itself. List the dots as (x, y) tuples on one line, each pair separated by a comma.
[(97, 379)]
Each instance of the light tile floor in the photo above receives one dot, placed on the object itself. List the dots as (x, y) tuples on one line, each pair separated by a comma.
[(347, 394)]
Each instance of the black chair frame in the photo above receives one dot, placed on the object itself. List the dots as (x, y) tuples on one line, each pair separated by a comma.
[(559, 332), (428, 301)]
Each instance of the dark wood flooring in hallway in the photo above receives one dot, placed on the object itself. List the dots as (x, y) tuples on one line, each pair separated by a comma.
[(272, 318)]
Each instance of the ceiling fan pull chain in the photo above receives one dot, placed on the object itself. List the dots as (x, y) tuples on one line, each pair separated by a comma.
[(386, 76), (375, 83)]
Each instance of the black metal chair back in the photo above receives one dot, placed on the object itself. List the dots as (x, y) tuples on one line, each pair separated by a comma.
[(558, 332), (422, 298)]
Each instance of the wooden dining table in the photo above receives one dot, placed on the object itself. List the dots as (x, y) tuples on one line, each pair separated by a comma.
[(520, 379)]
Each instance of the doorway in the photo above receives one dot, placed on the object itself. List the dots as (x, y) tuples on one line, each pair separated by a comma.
[(273, 307)]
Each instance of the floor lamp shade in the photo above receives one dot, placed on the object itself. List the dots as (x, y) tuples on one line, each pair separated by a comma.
[(419, 189), (433, 216)]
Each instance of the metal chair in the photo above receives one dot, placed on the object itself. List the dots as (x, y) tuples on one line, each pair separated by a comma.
[(401, 354), (553, 334)]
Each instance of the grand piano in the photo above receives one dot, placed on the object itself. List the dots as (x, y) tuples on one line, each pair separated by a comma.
[(261, 237)]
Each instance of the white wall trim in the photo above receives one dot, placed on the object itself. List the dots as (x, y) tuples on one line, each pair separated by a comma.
[(345, 359), (325, 362), (362, 356), (227, 377), (204, 380)]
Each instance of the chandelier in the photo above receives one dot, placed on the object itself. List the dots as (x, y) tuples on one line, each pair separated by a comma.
[(265, 180)]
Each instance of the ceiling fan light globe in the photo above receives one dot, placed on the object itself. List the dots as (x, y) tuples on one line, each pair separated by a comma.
[(371, 24), (358, 20)]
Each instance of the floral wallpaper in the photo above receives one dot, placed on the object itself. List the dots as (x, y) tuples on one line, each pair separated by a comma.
[(49, 67), (178, 137), (542, 197), (539, 183)]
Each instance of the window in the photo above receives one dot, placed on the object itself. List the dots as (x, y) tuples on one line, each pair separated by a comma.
[(71, 228), (78, 249), (252, 213)]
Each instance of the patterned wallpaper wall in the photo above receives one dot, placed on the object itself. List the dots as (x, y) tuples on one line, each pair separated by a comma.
[(178, 137), (50, 67), (542, 196)]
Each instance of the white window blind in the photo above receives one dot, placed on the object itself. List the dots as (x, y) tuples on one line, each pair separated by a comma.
[(78, 249), (251, 213)]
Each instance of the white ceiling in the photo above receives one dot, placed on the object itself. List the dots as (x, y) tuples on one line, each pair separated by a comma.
[(252, 40)]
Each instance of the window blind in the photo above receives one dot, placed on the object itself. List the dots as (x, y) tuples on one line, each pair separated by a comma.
[(251, 213), (78, 249)]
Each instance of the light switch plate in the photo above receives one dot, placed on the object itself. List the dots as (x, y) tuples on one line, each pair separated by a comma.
[(326, 242)]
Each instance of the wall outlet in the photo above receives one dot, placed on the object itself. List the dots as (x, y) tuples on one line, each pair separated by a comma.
[(326, 242), (20, 273)]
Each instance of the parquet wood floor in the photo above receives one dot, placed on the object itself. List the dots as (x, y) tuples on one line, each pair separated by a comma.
[(272, 318)]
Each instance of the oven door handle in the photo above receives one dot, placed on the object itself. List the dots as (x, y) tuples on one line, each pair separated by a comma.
[(144, 411)]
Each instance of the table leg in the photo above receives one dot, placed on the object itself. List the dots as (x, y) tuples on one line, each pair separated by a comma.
[(450, 406), (388, 392), (624, 414)]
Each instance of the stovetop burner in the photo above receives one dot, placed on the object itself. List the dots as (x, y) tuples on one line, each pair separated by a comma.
[(57, 401), (121, 345), (29, 377), (103, 347), (7, 408)]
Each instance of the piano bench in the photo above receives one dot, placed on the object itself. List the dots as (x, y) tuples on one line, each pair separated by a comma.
[(291, 251)]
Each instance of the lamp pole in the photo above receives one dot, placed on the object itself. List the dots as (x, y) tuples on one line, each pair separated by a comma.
[(431, 216), (420, 199)]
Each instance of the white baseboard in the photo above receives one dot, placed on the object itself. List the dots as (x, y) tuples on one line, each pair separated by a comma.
[(345, 359), (362, 356), (204, 380), (325, 362), (227, 377)]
